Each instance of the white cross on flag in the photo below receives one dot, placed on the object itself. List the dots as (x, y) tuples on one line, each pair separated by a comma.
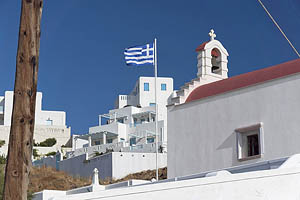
[(139, 55)]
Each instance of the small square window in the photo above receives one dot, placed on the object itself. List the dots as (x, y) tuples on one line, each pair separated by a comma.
[(249, 142), (163, 87), (146, 86)]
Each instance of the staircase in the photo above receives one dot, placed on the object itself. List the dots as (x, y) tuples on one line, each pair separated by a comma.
[(181, 95)]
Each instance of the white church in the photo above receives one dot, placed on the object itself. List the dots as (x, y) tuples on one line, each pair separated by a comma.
[(217, 122)]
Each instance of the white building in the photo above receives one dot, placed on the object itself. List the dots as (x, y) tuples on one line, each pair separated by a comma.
[(217, 122), (131, 125), (48, 124), (125, 135)]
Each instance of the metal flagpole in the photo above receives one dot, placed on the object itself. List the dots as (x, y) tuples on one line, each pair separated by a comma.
[(156, 107)]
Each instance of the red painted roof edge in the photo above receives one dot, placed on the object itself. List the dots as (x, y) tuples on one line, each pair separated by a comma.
[(244, 80), (201, 46)]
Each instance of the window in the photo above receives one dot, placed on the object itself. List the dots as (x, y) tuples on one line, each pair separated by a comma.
[(146, 86), (135, 122), (150, 140), (109, 141), (120, 120), (153, 119), (151, 104), (252, 145), (132, 141), (49, 122), (97, 142), (249, 142), (163, 87)]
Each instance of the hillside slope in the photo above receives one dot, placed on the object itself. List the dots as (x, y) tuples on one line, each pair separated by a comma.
[(48, 178)]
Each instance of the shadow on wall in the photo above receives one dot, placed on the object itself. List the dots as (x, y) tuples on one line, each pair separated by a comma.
[(230, 142)]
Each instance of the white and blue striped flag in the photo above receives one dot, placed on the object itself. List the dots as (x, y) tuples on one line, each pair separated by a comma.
[(139, 55)]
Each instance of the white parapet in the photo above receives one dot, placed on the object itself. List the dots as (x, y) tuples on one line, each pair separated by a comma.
[(275, 184)]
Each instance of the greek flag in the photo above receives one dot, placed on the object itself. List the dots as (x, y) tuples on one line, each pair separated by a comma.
[(139, 55)]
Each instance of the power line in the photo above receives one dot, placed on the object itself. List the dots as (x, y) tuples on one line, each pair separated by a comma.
[(279, 28)]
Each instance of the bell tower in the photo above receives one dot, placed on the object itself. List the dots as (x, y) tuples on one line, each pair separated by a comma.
[(212, 60), (212, 66)]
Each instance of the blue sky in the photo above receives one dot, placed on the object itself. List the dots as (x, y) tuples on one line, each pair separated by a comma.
[(82, 69)]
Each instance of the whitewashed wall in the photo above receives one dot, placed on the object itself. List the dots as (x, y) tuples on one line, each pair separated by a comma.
[(41, 133), (81, 166), (4, 135), (58, 117), (146, 97), (1, 110), (45, 150), (201, 133), (112, 165), (127, 163)]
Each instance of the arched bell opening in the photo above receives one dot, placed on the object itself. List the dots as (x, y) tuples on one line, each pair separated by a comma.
[(216, 62)]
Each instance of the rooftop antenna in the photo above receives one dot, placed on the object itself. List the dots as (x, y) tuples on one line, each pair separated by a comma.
[(279, 28)]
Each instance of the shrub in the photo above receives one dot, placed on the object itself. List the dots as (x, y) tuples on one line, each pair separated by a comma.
[(2, 142), (53, 153), (35, 153), (35, 144), (49, 142), (97, 154), (2, 159), (2, 175)]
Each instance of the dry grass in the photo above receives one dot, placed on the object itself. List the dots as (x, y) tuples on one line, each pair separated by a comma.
[(48, 178)]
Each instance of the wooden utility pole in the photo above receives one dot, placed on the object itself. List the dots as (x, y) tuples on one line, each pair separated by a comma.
[(23, 115)]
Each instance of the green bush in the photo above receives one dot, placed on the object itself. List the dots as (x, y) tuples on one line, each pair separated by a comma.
[(2, 142), (2, 168), (53, 153), (35, 153), (2, 159), (48, 142), (97, 154), (35, 144)]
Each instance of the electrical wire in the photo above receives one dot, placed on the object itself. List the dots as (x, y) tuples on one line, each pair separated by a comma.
[(279, 27)]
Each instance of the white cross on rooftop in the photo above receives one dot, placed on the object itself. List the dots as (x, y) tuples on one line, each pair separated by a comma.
[(212, 34)]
